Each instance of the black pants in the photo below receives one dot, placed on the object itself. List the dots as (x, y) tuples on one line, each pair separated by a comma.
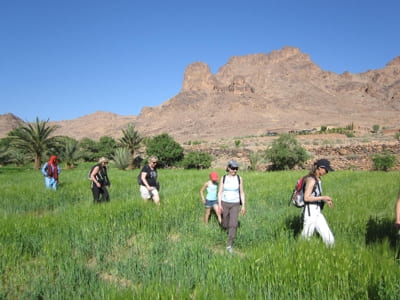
[(100, 194)]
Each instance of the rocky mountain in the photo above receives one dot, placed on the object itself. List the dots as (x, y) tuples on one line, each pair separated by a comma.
[(9, 122), (281, 91), (253, 94)]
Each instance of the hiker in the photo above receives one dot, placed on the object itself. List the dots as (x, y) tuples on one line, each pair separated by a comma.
[(51, 171), (230, 197), (211, 200), (100, 181), (314, 202), (149, 186)]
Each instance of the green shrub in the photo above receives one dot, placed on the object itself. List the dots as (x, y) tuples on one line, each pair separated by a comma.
[(383, 161), (122, 158), (375, 128), (254, 160), (286, 152), (89, 150), (197, 160), (397, 136), (168, 151), (237, 143)]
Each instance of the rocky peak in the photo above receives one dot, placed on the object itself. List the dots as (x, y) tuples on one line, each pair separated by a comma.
[(198, 77), (394, 62), (9, 122), (287, 53)]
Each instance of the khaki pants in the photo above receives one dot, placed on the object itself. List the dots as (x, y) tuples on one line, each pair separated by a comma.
[(230, 214)]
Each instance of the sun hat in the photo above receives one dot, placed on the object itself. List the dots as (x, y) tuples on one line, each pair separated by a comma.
[(233, 164), (214, 176), (324, 163), (103, 159)]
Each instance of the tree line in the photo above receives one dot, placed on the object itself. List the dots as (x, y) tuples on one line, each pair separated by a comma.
[(36, 141)]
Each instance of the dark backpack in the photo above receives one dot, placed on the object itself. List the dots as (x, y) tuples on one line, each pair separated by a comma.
[(101, 176), (91, 170), (297, 197), (238, 178)]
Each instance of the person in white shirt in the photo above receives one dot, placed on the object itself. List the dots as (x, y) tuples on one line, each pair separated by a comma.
[(231, 201)]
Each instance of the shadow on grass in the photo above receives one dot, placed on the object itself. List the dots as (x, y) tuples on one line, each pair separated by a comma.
[(379, 230), (295, 225)]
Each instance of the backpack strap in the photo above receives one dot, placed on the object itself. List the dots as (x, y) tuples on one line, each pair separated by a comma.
[(307, 204)]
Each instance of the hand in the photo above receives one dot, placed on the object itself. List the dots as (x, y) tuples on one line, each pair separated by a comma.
[(329, 201), (243, 210)]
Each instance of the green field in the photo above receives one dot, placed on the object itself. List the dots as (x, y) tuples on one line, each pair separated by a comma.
[(59, 245)]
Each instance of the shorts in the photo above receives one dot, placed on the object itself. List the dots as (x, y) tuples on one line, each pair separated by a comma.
[(210, 203), (146, 194)]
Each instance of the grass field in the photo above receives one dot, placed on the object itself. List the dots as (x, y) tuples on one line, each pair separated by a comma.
[(59, 245)]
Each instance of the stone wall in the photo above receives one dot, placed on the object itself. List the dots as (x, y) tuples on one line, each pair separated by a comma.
[(357, 157), (342, 157)]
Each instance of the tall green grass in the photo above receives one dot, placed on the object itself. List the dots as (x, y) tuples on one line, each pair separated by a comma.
[(59, 245)]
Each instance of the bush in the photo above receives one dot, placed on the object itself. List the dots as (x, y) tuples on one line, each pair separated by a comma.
[(168, 151), (197, 160), (106, 146), (375, 128), (254, 160), (397, 136), (121, 158), (89, 150), (383, 161), (286, 152), (237, 143)]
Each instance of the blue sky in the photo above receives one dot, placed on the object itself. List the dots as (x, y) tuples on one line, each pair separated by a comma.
[(61, 60)]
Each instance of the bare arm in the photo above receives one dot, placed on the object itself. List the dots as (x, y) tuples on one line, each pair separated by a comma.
[(202, 191), (144, 180), (93, 176), (242, 196), (220, 192), (308, 197)]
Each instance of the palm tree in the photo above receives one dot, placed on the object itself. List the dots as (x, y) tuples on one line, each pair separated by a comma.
[(71, 152), (131, 140), (34, 138)]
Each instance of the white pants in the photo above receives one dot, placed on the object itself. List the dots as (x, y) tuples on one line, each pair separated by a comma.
[(315, 220)]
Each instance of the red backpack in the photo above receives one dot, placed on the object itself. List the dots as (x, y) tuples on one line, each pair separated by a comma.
[(297, 198)]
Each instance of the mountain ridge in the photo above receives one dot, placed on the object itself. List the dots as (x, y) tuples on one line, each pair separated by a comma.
[(253, 94)]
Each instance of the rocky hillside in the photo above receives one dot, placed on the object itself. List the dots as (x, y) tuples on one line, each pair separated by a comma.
[(251, 95), (280, 91)]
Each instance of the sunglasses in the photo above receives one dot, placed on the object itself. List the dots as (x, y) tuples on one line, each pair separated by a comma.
[(234, 168)]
